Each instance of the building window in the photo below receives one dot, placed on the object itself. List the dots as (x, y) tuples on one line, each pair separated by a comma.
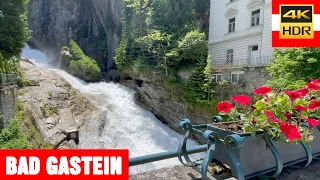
[(232, 24), (255, 48), (237, 77), (229, 56), (216, 78), (255, 18)]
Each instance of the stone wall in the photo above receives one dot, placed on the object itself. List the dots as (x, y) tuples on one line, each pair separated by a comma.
[(8, 101), (253, 77)]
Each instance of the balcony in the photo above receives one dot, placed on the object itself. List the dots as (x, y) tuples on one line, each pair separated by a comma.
[(243, 62)]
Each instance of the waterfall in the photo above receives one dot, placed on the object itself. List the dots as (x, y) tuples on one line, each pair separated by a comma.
[(126, 125)]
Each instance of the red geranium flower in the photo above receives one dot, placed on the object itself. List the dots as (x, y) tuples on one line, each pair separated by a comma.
[(264, 90), (272, 118), (303, 92), (313, 86), (224, 107), (243, 100), (312, 123), (291, 131), (300, 108), (314, 105), (293, 95)]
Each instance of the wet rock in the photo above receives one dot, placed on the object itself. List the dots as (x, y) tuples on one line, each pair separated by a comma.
[(54, 105)]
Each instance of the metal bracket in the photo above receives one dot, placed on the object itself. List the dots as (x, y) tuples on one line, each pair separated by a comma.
[(234, 142), (182, 149), (276, 154), (213, 142)]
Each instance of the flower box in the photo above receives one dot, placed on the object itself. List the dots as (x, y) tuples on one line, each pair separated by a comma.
[(281, 129), (256, 157)]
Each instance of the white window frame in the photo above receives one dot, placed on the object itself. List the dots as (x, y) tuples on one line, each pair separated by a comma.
[(229, 60), (232, 24), (215, 78), (238, 73), (255, 18)]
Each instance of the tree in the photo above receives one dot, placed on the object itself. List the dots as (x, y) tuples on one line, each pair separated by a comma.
[(294, 66), (193, 47), (13, 27), (208, 71), (192, 90)]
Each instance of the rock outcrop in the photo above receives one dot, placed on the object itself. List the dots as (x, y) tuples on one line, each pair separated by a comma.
[(151, 94), (94, 24), (54, 106)]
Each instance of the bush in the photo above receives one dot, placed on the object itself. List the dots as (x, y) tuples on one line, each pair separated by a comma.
[(12, 137)]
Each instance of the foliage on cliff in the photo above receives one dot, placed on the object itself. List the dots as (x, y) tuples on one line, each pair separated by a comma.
[(21, 133), (293, 67), (165, 36), (13, 27), (78, 64), (162, 35)]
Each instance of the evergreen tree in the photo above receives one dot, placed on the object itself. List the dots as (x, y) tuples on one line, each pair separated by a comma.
[(208, 71), (13, 27), (193, 88)]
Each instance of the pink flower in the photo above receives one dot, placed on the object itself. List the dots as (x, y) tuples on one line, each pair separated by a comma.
[(312, 123), (243, 100), (303, 92), (272, 118), (293, 95), (224, 107), (300, 108), (291, 131), (313, 86), (314, 105), (315, 81), (264, 90)]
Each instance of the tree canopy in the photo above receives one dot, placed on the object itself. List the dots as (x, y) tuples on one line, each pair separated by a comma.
[(294, 66), (13, 27)]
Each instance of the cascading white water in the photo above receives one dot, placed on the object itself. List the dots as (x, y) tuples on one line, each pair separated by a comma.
[(126, 126)]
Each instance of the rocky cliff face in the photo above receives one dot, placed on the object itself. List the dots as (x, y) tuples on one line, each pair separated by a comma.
[(151, 94), (94, 24)]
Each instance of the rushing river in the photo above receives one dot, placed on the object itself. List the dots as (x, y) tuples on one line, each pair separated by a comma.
[(126, 126)]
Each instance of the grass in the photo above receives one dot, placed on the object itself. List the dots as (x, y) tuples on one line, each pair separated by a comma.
[(48, 110), (23, 91)]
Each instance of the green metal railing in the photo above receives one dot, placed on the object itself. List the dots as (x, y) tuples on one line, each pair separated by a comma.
[(165, 155)]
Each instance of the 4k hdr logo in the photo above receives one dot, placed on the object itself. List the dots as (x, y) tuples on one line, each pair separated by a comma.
[(295, 23)]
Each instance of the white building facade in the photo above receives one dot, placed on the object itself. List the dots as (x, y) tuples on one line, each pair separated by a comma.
[(240, 33)]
